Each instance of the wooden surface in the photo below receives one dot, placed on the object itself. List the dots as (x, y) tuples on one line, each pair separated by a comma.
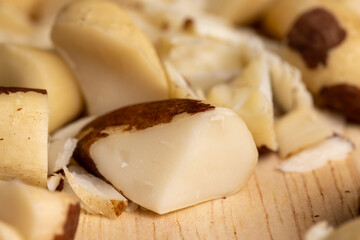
[(273, 205)]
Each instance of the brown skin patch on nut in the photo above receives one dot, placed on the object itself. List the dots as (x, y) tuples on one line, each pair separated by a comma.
[(71, 223), (119, 207), (8, 90), (135, 117), (343, 98), (60, 187), (188, 24), (314, 34)]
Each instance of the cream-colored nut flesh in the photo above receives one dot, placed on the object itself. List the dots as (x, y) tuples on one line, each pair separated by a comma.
[(170, 154), (178, 87), (238, 11), (318, 155), (24, 135), (300, 129), (71, 130), (62, 144), (278, 19), (319, 231), (250, 96), (38, 214), (14, 25), (286, 81), (22, 66), (202, 61), (28, 7), (8, 232), (96, 194), (55, 181), (59, 153), (115, 63)]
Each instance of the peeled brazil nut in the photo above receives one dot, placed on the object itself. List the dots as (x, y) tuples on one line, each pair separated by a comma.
[(323, 43), (115, 63), (170, 154)]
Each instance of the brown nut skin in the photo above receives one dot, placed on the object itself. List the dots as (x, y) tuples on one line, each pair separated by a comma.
[(323, 41), (314, 34), (71, 224), (342, 98), (134, 118)]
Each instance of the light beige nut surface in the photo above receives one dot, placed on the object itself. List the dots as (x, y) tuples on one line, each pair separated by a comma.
[(300, 129), (38, 214), (22, 66), (250, 95), (8, 232), (24, 135), (238, 11), (322, 39), (96, 194), (170, 154), (15, 26), (115, 63)]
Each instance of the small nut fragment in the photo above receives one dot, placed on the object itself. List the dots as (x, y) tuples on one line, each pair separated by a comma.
[(311, 129), (250, 96), (318, 155), (96, 194)]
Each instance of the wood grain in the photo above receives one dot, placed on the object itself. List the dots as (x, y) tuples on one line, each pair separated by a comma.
[(273, 205)]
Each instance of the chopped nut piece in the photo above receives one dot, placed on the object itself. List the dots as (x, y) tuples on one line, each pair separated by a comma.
[(22, 66), (169, 155), (115, 63), (38, 214), (318, 155), (24, 135), (96, 194), (300, 129)]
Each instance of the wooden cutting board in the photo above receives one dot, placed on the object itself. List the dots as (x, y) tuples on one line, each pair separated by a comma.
[(273, 205)]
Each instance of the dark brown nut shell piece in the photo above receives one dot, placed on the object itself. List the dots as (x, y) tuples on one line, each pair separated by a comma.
[(314, 34), (134, 117), (343, 98)]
